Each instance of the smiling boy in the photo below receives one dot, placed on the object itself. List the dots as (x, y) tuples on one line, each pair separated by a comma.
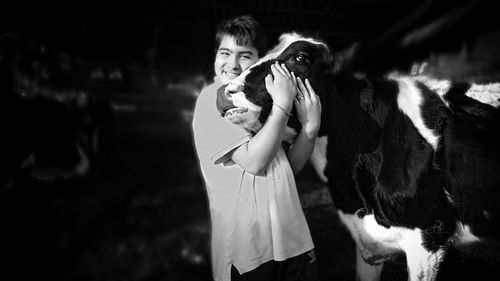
[(259, 231)]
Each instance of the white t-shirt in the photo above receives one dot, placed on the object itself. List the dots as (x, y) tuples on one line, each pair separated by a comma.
[(255, 219)]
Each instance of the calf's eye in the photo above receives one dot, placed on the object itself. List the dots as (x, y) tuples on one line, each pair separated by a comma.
[(302, 58)]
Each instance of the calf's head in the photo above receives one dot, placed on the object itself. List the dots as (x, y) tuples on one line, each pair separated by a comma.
[(245, 100)]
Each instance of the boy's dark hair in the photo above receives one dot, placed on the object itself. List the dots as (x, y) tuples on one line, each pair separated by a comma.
[(246, 30)]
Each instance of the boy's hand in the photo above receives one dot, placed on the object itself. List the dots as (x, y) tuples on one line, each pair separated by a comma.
[(308, 108), (283, 88)]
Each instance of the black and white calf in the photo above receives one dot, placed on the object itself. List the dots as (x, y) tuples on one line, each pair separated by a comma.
[(419, 156), (411, 162)]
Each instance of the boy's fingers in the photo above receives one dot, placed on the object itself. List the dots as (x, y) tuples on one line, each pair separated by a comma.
[(279, 68), (302, 88), (300, 84), (269, 80), (309, 87), (294, 79), (283, 66), (274, 70), (314, 97), (309, 90)]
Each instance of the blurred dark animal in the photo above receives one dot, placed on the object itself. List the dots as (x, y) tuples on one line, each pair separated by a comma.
[(412, 165), (39, 133), (463, 31)]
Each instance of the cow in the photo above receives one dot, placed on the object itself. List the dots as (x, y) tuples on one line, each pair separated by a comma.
[(410, 160)]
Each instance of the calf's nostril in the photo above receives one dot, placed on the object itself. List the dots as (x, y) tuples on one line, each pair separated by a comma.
[(229, 93)]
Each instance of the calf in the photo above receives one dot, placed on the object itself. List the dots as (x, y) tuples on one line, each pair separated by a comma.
[(410, 161), (421, 154)]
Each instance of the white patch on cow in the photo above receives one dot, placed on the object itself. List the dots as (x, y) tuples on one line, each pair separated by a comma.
[(388, 236), (463, 234), (238, 97), (238, 82), (486, 93), (409, 102), (348, 221), (318, 157), (285, 41), (422, 264), (440, 87)]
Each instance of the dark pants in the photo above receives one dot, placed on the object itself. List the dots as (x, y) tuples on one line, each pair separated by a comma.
[(300, 268)]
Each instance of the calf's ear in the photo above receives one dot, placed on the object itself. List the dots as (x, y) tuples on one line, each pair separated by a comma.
[(345, 60)]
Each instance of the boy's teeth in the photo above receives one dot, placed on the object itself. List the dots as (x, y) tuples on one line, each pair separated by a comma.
[(232, 75)]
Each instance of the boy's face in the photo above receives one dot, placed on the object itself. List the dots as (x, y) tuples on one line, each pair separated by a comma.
[(231, 59)]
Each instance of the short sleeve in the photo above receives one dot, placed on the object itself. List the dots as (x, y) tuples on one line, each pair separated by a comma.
[(215, 136)]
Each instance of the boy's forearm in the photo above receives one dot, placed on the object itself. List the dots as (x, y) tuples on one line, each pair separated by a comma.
[(256, 155), (301, 150)]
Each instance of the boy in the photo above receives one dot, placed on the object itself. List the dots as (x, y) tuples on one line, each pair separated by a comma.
[(259, 231)]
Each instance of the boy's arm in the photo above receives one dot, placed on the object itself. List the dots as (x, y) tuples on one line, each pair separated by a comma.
[(300, 152), (309, 114), (255, 155)]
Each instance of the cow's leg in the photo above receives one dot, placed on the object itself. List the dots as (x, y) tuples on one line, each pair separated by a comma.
[(422, 264), (365, 271)]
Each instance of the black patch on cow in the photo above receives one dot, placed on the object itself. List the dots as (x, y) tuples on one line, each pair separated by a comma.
[(408, 178), (406, 155), (457, 90), (471, 159), (380, 162), (352, 132)]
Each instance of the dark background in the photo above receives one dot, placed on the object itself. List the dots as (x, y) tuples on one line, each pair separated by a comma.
[(181, 32), (119, 79)]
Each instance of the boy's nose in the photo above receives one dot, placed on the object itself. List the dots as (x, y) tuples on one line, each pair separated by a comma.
[(233, 62)]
